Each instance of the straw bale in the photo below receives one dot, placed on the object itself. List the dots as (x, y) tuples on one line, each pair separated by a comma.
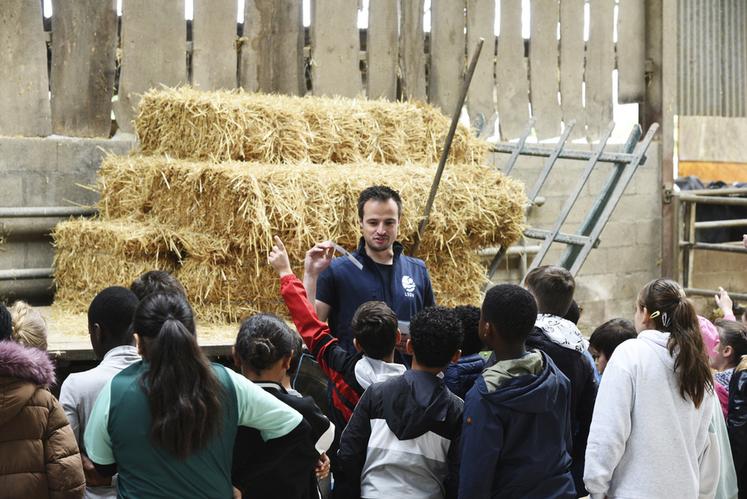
[(245, 204), (235, 125), (91, 255)]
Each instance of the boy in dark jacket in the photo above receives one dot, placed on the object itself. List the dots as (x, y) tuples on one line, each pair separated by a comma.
[(516, 436), (402, 440), (461, 375), (553, 288)]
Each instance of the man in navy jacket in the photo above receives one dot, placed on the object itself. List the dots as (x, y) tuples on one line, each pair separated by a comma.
[(338, 287)]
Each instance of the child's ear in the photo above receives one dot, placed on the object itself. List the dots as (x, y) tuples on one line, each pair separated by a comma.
[(357, 346), (236, 359), (398, 337), (727, 351), (457, 355), (408, 347), (287, 361)]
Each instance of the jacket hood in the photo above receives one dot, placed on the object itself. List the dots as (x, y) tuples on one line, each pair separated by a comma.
[(659, 341), (562, 332), (369, 371), (27, 364), (425, 401), (530, 384), (22, 371)]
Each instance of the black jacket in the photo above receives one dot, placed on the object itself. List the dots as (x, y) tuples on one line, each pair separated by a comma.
[(580, 373), (402, 441), (282, 467), (736, 423)]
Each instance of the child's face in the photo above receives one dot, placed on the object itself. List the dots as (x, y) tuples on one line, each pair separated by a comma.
[(722, 356), (599, 359)]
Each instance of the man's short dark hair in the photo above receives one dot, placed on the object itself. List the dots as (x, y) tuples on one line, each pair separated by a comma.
[(157, 281), (552, 287), (6, 323), (607, 337), (436, 335), (374, 325), (511, 310), (378, 193), (113, 310), (469, 317)]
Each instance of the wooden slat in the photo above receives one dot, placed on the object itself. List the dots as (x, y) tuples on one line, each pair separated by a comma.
[(24, 85), (83, 62), (335, 48), (214, 44), (447, 53), (600, 61), (481, 24), (511, 73), (412, 50), (572, 65), (255, 59), (382, 49), (154, 47), (287, 48), (543, 68), (631, 51)]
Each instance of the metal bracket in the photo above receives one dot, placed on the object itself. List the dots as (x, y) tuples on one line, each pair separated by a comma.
[(667, 194)]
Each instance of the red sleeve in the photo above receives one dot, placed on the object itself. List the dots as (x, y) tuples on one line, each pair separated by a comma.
[(315, 333)]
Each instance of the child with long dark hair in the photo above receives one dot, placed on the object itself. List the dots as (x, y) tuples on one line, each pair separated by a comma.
[(167, 424), (263, 351), (649, 434)]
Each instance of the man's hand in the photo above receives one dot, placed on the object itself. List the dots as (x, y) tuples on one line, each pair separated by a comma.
[(318, 258), (322, 466), (724, 302), (93, 477), (279, 258)]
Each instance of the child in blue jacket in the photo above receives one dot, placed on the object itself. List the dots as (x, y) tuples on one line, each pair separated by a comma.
[(516, 435)]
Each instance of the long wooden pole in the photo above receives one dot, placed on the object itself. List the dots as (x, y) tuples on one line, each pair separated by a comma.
[(447, 146)]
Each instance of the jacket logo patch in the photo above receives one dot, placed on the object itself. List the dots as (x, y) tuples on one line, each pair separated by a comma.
[(409, 285)]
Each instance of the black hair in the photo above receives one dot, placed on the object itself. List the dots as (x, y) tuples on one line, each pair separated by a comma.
[(184, 394), (574, 313), (6, 323), (113, 309), (374, 325), (677, 316), (608, 336), (436, 335), (378, 193), (157, 281), (511, 310), (469, 317), (734, 335), (264, 339), (552, 287)]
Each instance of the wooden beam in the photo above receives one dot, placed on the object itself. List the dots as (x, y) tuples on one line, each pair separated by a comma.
[(543, 65), (287, 48), (511, 71), (447, 52), (631, 51), (572, 65), (214, 56), (24, 85), (334, 48), (600, 62), (382, 49), (412, 50), (481, 98), (154, 44)]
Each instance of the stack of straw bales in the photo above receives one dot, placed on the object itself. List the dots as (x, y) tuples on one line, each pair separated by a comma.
[(212, 222)]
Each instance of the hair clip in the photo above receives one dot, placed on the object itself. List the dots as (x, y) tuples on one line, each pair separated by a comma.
[(665, 320), (654, 315)]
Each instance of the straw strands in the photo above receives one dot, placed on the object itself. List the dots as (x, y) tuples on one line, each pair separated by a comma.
[(236, 125)]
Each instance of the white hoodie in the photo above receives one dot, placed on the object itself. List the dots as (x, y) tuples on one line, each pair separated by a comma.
[(645, 440), (369, 371)]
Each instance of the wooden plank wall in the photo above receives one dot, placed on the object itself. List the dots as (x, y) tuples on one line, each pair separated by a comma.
[(553, 76)]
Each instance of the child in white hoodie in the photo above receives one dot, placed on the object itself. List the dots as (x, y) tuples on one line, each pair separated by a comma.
[(651, 432)]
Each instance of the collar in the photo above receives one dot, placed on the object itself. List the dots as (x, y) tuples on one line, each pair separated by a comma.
[(361, 250), (121, 351), (270, 385)]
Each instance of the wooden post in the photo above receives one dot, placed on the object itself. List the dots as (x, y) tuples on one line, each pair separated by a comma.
[(335, 48), (600, 61), (24, 85), (447, 52), (382, 49), (572, 65), (214, 44), (631, 51), (543, 68), (511, 71), (412, 50), (669, 33), (481, 98)]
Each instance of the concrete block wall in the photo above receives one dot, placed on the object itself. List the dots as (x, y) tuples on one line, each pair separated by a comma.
[(629, 253), (50, 171)]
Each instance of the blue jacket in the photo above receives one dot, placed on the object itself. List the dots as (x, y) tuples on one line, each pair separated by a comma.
[(516, 436), (461, 375), (345, 288)]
